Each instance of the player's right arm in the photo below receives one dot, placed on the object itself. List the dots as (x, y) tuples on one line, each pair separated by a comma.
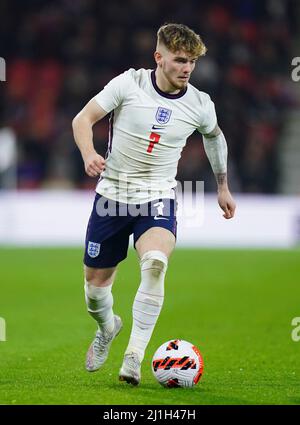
[(82, 126), (216, 150)]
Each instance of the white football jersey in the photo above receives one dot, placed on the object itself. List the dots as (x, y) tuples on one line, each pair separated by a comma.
[(148, 130)]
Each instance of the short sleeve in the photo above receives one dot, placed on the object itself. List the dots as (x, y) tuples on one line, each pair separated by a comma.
[(113, 93), (209, 117)]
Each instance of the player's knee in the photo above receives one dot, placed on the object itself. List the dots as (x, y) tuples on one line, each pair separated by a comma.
[(99, 277), (155, 262)]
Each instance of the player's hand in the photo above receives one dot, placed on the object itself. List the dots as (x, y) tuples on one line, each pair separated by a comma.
[(227, 203), (94, 164)]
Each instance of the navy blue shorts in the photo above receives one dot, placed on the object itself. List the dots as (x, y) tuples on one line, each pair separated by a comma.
[(111, 223)]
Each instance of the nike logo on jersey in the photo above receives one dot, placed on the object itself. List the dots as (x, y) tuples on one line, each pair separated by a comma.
[(160, 218), (157, 127)]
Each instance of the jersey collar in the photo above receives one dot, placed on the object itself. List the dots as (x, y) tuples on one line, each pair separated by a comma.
[(164, 94)]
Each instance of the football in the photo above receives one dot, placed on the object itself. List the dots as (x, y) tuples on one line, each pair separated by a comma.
[(177, 363)]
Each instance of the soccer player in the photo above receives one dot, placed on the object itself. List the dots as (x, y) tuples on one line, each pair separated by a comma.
[(153, 112)]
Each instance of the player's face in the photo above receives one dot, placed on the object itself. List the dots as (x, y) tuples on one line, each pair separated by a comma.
[(177, 68)]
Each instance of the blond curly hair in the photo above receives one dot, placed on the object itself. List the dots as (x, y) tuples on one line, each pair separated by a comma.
[(177, 37)]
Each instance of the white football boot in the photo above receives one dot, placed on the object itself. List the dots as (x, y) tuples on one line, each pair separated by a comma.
[(99, 348), (131, 369)]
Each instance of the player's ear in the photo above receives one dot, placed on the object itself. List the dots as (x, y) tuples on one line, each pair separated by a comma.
[(158, 58)]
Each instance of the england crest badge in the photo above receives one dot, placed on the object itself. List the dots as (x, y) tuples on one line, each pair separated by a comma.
[(93, 249), (163, 115)]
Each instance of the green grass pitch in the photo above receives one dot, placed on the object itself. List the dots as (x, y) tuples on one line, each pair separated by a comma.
[(235, 305)]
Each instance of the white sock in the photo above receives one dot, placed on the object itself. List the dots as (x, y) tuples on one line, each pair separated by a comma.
[(148, 301), (99, 301)]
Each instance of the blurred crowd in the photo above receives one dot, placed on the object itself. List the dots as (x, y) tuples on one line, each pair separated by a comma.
[(59, 54)]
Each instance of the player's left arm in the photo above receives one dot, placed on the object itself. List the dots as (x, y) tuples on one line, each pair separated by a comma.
[(216, 150)]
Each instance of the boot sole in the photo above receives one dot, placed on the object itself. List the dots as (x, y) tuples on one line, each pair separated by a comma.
[(129, 379)]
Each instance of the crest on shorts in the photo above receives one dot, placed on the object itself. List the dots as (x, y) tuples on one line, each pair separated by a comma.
[(93, 249), (163, 115)]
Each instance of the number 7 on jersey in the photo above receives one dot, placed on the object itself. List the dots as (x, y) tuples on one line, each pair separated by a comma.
[(154, 137)]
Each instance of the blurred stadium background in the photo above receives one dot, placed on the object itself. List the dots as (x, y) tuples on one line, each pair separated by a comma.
[(61, 53)]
